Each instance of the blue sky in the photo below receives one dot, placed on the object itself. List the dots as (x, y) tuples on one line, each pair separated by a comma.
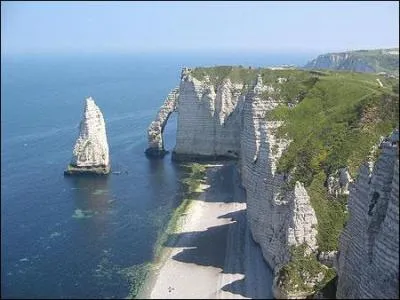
[(129, 27)]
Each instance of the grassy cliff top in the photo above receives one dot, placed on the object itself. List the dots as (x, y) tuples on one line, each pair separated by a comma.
[(337, 119)]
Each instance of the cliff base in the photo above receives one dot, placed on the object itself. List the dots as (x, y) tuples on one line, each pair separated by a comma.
[(198, 157), (95, 170), (155, 153)]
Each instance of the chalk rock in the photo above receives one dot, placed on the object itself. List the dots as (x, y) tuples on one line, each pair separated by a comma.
[(328, 258), (368, 262), (156, 128), (90, 154), (209, 118), (338, 182), (303, 222)]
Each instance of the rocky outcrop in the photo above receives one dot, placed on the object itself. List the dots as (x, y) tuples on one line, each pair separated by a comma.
[(156, 128), (209, 119), (338, 182), (328, 258), (90, 154), (368, 263), (302, 227)]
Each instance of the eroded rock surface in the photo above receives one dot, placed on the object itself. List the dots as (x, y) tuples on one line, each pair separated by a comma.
[(90, 154), (368, 263), (338, 182), (156, 128), (209, 119), (278, 217)]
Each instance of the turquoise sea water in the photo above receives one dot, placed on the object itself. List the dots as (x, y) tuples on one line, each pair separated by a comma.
[(73, 237)]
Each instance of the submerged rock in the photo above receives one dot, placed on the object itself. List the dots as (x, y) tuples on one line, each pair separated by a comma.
[(90, 154)]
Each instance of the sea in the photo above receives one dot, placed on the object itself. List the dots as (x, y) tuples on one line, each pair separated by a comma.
[(89, 237)]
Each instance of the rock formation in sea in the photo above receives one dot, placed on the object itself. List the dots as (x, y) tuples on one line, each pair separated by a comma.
[(90, 153), (156, 128), (368, 264)]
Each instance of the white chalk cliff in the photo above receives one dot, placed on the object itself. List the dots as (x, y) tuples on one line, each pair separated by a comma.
[(91, 154), (368, 264), (208, 118), (278, 217)]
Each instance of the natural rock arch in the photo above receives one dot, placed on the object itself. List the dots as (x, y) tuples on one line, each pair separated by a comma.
[(156, 128)]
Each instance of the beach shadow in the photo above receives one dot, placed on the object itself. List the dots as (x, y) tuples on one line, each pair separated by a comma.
[(224, 181), (208, 248)]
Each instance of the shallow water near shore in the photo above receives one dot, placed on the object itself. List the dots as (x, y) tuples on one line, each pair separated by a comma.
[(86, 237)]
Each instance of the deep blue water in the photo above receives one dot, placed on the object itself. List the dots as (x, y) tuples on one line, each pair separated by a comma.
[(46, 252)]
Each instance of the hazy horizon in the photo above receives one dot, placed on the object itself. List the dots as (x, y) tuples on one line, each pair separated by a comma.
[(37, 27)]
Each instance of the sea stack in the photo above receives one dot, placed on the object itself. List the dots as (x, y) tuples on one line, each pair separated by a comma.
[(90, 154)]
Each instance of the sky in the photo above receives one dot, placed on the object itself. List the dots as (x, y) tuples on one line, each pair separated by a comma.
[(178, 26)]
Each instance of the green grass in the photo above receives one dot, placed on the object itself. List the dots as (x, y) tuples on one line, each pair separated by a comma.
[(331, 214), (335, 125), (301, 268), (217, 74)]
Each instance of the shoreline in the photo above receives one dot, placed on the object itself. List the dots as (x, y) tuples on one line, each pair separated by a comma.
[(210, 252), (165, 252)]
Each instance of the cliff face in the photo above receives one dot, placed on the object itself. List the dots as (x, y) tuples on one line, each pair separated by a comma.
[(340, 61), (367, 61), (368, 265), (278, 218), (90, 154), (208, 118)]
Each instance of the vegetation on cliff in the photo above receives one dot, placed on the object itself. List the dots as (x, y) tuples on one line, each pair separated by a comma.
[(340, 117), (304, 273)]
